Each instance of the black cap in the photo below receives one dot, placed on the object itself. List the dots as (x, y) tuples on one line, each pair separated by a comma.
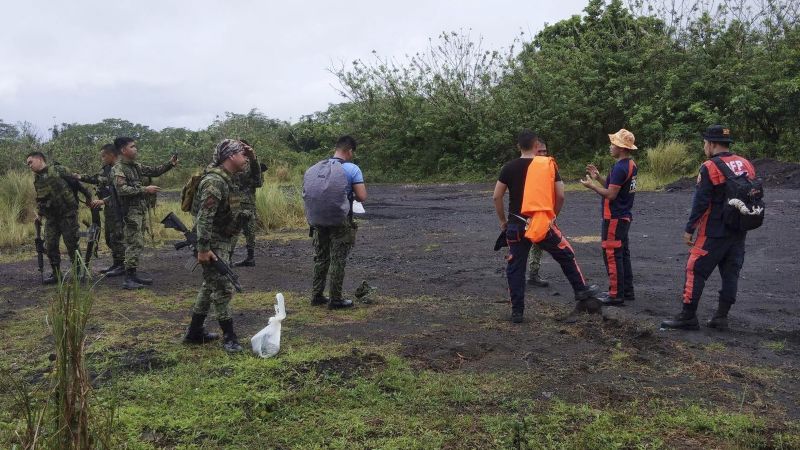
[(718, 133)]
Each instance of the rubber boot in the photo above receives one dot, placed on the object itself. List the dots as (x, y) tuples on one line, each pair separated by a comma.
[(130, 282), (141, 279), (720, 318), (230, 342), (250, 261), (196, 333), (536, 280), (55, 276), (686, 320)]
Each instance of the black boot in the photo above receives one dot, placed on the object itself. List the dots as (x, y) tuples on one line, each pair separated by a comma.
[(55, 276), (339, 303), (230, 342), (250, 261), (720, 318), (116, 269), (130, 280), (686, 320), (141, 279), (196, 333), (319, 299), (536, 280), (608, 300), (517, 316)]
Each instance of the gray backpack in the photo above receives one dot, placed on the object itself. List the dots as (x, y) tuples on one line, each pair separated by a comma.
[(325, 194)]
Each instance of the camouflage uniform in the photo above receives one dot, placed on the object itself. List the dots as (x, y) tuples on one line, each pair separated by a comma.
[(535, 260), (130, 180), (57, 203), (331, 247), (248, 182), (113, 219), (218, 215)]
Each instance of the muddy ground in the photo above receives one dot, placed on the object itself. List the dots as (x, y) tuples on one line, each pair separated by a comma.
[(443, 299)]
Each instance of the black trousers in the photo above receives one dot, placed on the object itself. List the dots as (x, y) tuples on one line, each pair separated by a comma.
[(727, 254), (519, 246), (617, 257)]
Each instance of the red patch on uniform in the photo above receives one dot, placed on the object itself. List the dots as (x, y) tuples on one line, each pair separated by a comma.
[(210, 203)]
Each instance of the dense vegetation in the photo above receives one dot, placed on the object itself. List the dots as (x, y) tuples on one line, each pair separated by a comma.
[(450, 111)]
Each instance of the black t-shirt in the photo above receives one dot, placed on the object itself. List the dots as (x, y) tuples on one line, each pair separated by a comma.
[(513, 175)]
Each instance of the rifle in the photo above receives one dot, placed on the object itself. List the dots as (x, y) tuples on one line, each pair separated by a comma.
[(93, 234), (172, 221), (39, 241)]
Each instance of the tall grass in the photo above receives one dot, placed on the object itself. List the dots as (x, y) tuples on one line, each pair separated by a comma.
[(17, 206), (66, 419), (280, 207), (666, 162)]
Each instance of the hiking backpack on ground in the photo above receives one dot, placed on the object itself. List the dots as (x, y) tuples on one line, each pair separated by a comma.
[(743, 209), (325, 194)]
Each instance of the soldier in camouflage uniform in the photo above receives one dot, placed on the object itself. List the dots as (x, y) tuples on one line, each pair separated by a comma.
[(57, 202), (113, 226), (218, 219), (332, 244), (130, 178), (248, 181)]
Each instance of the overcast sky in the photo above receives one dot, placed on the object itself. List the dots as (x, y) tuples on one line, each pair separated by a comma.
[(181, 63)]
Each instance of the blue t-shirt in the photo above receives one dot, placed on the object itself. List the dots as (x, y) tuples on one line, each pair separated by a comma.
[(623, 174), (354, 175)]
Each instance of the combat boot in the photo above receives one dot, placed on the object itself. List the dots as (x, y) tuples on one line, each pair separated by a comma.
[(686, 320), (130, 282), (141, 279), (720, 318), (339, 303), (536, 280), (319, 299), (116, 269), (250, 261), (55, 276), (516, 316), (230, 342), (196, 333)]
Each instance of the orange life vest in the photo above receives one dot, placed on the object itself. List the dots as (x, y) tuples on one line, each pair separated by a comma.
[(539, 197)]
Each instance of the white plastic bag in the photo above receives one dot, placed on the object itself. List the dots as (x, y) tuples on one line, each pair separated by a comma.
[(358, 207), (267, 342)]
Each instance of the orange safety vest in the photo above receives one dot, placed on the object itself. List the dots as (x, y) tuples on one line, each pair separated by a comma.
[(539, 197)]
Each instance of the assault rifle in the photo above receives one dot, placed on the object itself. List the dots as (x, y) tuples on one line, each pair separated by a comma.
[(172, 221), (39, 241), (93, 235)]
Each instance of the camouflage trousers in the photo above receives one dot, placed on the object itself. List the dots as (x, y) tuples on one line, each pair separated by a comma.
[(114, 234), (133, 231), (56, 227), (331, 247), (535, 261), (249, 225), (216, 289)]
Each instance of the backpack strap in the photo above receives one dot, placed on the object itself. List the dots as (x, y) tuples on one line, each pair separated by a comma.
[(723, 167)]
